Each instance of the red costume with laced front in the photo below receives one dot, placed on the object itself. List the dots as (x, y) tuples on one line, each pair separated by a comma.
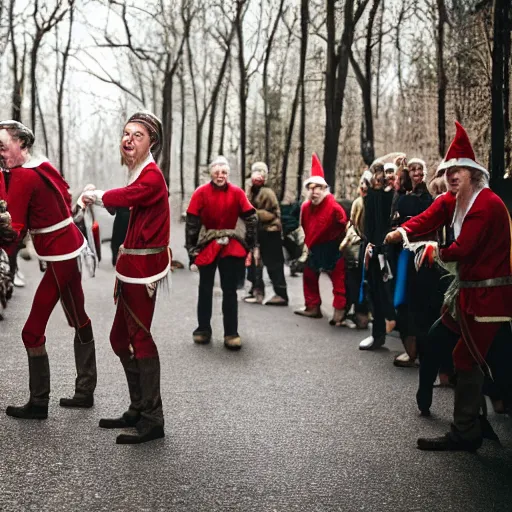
[(219, 209), (39, 202), (148, 234)]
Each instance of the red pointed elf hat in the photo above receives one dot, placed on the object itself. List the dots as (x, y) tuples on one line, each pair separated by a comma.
[(317, 172), (460, 153)]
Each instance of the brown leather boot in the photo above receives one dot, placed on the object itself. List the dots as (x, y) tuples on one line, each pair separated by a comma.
[(151, 423), (86, 376), (39, 384), (337, 317), (313, 312), (132, 415)]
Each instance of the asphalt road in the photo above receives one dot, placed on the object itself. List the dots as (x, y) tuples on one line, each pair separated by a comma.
[(299, 419)]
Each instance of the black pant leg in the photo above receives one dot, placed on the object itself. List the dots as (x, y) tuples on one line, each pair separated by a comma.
[(271, 247), (205, 298), (378, 298), (229, 269), (432, 350)]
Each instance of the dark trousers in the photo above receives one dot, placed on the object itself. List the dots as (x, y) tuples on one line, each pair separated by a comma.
[(230, 269), (271, 250), (435, 352), (381, 305)]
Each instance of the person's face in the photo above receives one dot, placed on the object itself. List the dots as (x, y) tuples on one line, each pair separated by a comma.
[(219, 175), (11, 153), (416, 174), (453, 177), (390, 177), (378, 180), (135, 144), (257, 178), (363, 189), (316, 193), (463, 178)]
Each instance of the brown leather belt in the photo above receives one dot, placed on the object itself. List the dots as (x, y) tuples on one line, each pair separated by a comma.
[(487, 283), (141, 252)]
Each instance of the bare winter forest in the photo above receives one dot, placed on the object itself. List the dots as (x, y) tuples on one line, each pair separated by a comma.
[(269, 80)]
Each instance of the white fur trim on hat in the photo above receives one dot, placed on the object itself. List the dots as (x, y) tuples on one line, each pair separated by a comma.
[(366, 176), (463, 162), (318, 180), (421, 162), (390, 166)]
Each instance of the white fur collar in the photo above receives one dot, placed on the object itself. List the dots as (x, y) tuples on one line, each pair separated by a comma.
[(34, 161), (135, 173), (458, 220)]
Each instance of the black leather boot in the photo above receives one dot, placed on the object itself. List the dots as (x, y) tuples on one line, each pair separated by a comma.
[(132, 415), (466, 431), (86, 376), (151, 424), (39, 384)]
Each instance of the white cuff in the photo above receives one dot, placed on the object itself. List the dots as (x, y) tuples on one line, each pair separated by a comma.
[(99, 197)]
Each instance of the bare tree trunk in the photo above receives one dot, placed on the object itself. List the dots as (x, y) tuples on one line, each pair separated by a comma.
[(18, 68), (167, 125), (242, 94), (506, 88), (43, 125), (60, 87), (182, 137), (223, 126), (336, 80), (441, 77), (215, 96), (265, 81), (497, 90), (289, 136), (379, 60), (304, 23), (365, 82)]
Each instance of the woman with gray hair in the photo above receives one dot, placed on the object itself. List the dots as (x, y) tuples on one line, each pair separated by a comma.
[(213, 242)]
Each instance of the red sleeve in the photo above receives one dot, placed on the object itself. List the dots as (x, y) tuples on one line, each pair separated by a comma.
[(470, 238), (244, 204), (18, 208), (196, 203), (341, 216), (144, 191), (3, 193), (430, 220)]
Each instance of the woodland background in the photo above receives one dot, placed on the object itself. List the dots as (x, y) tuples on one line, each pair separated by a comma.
[(271, 80)]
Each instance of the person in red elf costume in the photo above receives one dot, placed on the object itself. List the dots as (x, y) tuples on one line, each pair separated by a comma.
[(39, 202), (212, 241), (324, 222), (143, 261), (479, 301)]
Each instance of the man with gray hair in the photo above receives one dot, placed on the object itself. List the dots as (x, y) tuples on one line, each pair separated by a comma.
[(212, 241), (479, 300), (270, 244), (39, 202)]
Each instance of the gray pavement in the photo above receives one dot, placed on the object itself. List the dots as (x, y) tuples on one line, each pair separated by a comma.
[(299, 419)]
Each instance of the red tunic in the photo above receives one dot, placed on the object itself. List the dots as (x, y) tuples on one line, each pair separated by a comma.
[(323, 223), (219, 208), (438, 214), (149, 227), (483, 250), (41, 203)]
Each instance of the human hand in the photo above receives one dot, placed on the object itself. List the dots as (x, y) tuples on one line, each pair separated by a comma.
[(368, 255), (256, 255), (393, 237), (88, 198)]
